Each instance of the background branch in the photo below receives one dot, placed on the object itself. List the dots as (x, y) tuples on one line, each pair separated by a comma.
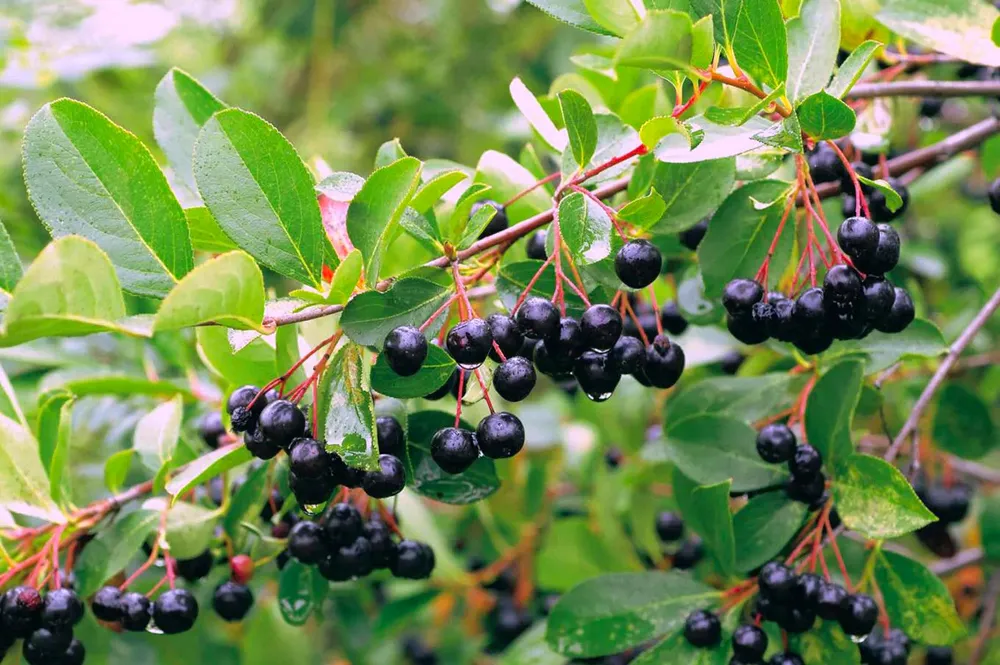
[(925, 89)]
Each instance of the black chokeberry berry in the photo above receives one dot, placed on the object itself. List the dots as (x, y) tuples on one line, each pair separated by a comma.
[(825, 165), (672, 319), (61, 608), (940, 655), (342, 524), (107, 604), (732, 361), (900, 315), (669, 526), (391, 438), (500, 435), (43, 644), (469, 342), (383, 548), (879, 296), (693, 236), (355, 559), (243, 420), (499, 221), (858, 237), (242, 397), (454, 449), (536, 246), (549, 363), (749, 643), (807, 589), (740, 295), (879, 204), (307, 542), (747, 329), (136, 611), (538, 318), (831, 596), (568, 344), (664, 362), (389, 480), (75, 653), (786, 658), (638, 263), (597, 375), (405, 350), (703, 629), (994, 195), (807, 489), (689, 553), (810, 310), (514, 379), (197, 567), (860, 169), (232, 601), (413, 560), (798, 620), (813, 342), (886, 254), (211, 429), (175, 611), (777, 582), (21, 611), (601, 326), (806, 461), (841, 285), (858, 614), (308, 459), (628, 354), (259, 445), (311, 491), (776, 443), (506, 335)]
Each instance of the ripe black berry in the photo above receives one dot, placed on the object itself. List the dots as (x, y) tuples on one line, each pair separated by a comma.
[(689, 554), (391, 439), (536, 246), (858, 237), (861, 169), (107, 604), (879, 296), (308, 459), (841, 285), (469, 342), (514, 379), (669, 526), (702, 629), (749, 643), (900, 315), (786, 658), (259, 445), (941, 655), (886, 254), (746, 329), (22, 611), (858, 614), (664, 362), (454, 449), (568, 344), (806, 461), (499, 221), (307, 542), (242, 397), (343, 524), (61, 608), (776, 443), (994, 194), (825, 165), (413, 560), (777, 582), (405, 350), (500, 435), (693, 236), (175, 611), (601, 326), (355, 559), (628, 354), (638, 263), (389, 480), (383, 549), (538, 318), (807, 589), (672, 319), (740, 295), (196, 568), (311, 491), (75, 653), (597, 375), (506, 334), (136, 611), (814, 342), (211, 429), (232, 601), (831, 596), (807, 489), (810, 309), (731, 362), (43, 644), (549, 363)]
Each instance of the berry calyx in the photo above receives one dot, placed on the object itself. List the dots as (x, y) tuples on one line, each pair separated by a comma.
[(702, 629), (391, 438), (389, 480), (232, 601), (514, 379), (454, 449), (500, 435), (669, 527), (776, 443), (22, 611), (538, 318), (638, 263), (175, 611), (469, 342), (405, 350)]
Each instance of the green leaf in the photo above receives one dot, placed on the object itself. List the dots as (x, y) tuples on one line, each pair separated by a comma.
[(156, 434), (347, 412), (428, 479), (746, 398), (370, 316), (207, 467), (341, 186), (917, 600), (827, 644), (813, 41), (654, 129), (875, 499), (740, 234), (87, 176), (69, 290), (643, 212), (433, 374), (389, 152), (432, 190), (573, 552), (955, 27), (531, 649), (710, 449), (715, 141), (400, 612), (56, 464), (852, 69), (757, 32), (611, 613), (764, 526), (893, 200), (117, 384), (585, 228), (345, 278), (921, 339), (963, 424), (662, 42), (206, 234), (112, 548), (227, 290), (675, 650), (614, 138), (261, 194), (823, 116), (254, 364), (617, 16), (573, 12), (189, 527), (297, 586), (989, 526), (182, 107), (580, 124), (374, 214), (247, 501), (692, 191), (116, 469), (706, 511), (475, 225), (830, 411), (10, 263)]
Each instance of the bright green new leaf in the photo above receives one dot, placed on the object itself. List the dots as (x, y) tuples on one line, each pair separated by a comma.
[(573, 552), (823, 116), (830, 412), (989, 526), (10, 263), (87, 176), (345, 278), (24, 485), (706, 511), (826, 643), (434, 189), (643, 212), (207, 467), (573, 12), (585, 228), (875, 499), (692, 191), (116, 469), (227, 290), (616, 16), (662, 41), (813, 41), (711, 140), (389, 152), (746, 398), (756, 30), (347, 413), (852, 69), (580, 124), (156, 434), (654, 129), (917, 600)]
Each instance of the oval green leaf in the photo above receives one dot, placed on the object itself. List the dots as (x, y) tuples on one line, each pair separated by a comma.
[(436, 370), (372, 315), (875, 499), (227, 290)]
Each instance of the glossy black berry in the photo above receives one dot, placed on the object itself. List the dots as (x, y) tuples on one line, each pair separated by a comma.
[(740, 295), (549, 363), (841, 284), (693, 236), (243, 420), (940, 655), (628, 354), (597, 375), (470, 342), (601, 326), (886, 254), (731, 362), (44, 644), (413, 560), (514, 379), (211, 429), (858, 237), (777, 582), (538, 318), (879, 296), (825, 165), (861, 170), (61, 608), (454, 449), (506, 334), (175, 611), (807, 589), (702, 629), (355, 559), (776, 443), (806, 461), (638, 263), (307, 542), (749, 643), (405, 350), (232, 601), (242, 397), (500, 435), (311, 491), (259, 445), (807, 489), (994, 194), (858, 614), (813, 342), (669, 526), (747, 329), (831, 596), (343, 524), (136, 611), (22, 611), (798, 620), (499, 221), (107, 604), (900, 315), (689, 554), (810, 309), (672, 319), (196, 568), (388, 480), (786, 658), (664, 362), (391, 439), (536, 246), (308, 459), (74, 654)]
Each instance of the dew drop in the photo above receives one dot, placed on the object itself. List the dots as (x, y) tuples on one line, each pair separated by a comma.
[(600, 397), (314, 509), (151, 627), (858, 639), (470, 368)]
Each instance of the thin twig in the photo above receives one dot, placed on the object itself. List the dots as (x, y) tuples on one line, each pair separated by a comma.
[(989, 616), (925, 89), (963, 559)]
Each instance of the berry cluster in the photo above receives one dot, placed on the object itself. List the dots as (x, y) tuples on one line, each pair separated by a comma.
[(825, 165), (950, 504), (343, 546), (45, 623), (173, 612), (776, 444), (892, 648), (670, 529)]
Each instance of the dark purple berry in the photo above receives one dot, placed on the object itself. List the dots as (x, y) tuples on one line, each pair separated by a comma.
[(308, 459), (514, 379), (342, 524), (242, 397), (44, 644), (831, 596), (886, 254), (777, 582), (638, 263), (405, 350), (454, 449), (740, 295), (196, 568), (136, 611), (942, 655), (807, 489), (825, 165), (703, 629), (311, 491), (628, 354), (175, 611), (413, 560), (307, 542), (211, 429), (506, 335), (536, 246), (601, 326), (776, 443), (538, 318), (879, 296), (900, 315), (994, 194), (664, 362), (786, 658), (21, 611), (597, 375), (61, 608), (499, 221), (470, 342), (693, 236), (500, 435), (669, 526), (389, 480), (107, 604), (232, 601), (391, 438), (880, 206), (806, 461), (749, 643), (858, 237), (689, 554), (858, 614), (746, 329)]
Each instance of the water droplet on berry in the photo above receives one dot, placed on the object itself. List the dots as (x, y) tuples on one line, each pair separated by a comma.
[(151, 627), (858, 639), (312, 510), (600, 397)]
